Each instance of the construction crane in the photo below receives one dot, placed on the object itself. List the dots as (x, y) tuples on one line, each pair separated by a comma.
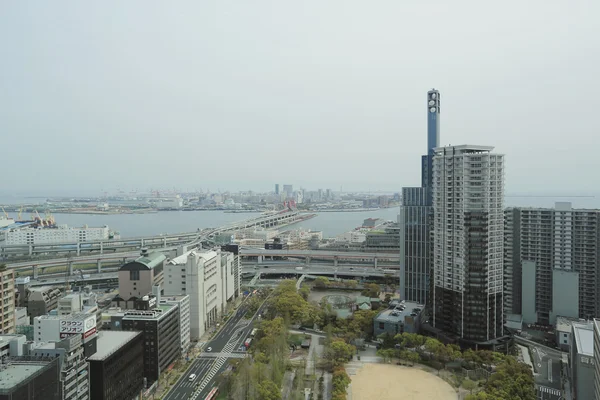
[(19, 214), (5, 213), (37, 214)]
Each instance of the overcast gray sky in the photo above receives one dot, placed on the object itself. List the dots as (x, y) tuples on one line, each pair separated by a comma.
[(244, 94)]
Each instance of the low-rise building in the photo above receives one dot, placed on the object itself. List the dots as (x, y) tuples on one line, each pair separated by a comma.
[(30, 378), (49, 328), (74, 370), (11, 346), (40, 300), (85, 301), (405, 317), (582, 361), (21, 317), (387, 238), (59, 234), (137, 278), (117, 368), (564, 328)]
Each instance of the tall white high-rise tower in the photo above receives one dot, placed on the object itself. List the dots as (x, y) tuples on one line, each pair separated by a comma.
[(468, 242)]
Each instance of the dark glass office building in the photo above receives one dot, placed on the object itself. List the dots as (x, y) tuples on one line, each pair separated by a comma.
[(117, 368), (415, 218)]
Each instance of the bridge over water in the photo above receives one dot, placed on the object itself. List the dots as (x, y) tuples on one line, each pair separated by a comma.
[(153, 242)]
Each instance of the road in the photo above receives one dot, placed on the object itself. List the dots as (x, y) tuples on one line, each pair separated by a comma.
[(227, 344)]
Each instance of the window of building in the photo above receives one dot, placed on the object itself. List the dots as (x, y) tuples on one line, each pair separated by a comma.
[(134, 275), (381, 325)]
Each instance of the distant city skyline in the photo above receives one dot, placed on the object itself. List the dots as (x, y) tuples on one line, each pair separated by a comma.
[(238, 96)]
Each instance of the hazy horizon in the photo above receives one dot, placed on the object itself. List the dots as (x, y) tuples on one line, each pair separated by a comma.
[(240, 96)]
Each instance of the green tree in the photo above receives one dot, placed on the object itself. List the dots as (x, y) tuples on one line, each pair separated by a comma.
[(512, 380), (469, 385), (340, 382), (371, 290), (268, 390), (341, 352), (304, 292), (386, 354), (387, 340), (352, 283), (362, 323), (321, 282), (410, 340), (289, 303)]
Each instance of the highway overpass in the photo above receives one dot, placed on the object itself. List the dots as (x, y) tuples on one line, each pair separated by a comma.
[(153, 242), (322, 270), (373, 259)]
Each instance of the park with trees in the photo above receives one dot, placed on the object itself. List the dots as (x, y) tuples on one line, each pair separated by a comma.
[(262, 375)]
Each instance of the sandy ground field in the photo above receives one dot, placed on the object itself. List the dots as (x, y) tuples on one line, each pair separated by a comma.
[(393, 382)]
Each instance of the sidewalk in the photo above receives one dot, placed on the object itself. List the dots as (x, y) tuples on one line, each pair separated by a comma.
[(169, 378)]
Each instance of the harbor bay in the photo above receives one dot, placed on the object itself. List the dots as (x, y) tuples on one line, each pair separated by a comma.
[(168, 222)]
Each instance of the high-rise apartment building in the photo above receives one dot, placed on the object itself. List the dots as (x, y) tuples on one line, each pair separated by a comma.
[(415, 217), (277, 188), (468, 242), (551, 262), (7, 301)]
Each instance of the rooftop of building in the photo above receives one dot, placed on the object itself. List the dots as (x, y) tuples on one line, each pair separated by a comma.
[(175, 298), (156, 313), (564, 324), (397, 314), (109, 342), (465, 148), (8, 337), (149, 260), (583, 335), (182, 259), (558, 206), (14, 372), (79, 316)]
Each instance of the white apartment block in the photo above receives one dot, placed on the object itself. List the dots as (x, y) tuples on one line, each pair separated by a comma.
[(60, 234), (208, 278), (468, 242), (183, 304)]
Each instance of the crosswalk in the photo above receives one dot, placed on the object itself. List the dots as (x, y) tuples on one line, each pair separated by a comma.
[(220, 359), (548, 393), (222, 354)]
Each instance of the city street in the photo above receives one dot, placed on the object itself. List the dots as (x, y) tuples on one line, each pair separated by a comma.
[(227, 344)]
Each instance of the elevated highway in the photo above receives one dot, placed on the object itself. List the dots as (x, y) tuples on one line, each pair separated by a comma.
[(374, 259), (159, 241), (322, 270)]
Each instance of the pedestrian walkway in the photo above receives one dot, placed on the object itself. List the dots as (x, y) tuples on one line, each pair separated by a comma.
[(222, 354)]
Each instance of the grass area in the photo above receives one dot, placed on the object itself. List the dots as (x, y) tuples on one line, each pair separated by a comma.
[(222, 396)]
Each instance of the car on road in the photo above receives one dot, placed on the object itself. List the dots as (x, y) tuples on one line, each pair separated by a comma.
[(209, 349), (192, 377)]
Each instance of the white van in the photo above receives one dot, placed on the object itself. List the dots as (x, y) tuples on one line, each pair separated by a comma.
[(192, 377)]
